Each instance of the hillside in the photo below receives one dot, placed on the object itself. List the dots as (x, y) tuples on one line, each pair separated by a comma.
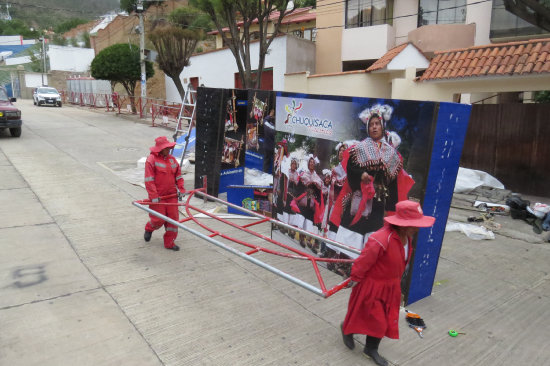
[(49, 13)]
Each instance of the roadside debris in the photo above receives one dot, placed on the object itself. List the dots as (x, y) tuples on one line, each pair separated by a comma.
[(536, 216), (415, 322), (492, 207), (454, 333), (474, 232)]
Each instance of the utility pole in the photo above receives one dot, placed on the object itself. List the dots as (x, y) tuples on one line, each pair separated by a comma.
[(43, 58), (139, 10)]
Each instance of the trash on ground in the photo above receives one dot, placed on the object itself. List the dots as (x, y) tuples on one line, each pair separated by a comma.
[(539, 209), (415, 322), (492, 207), (454, 333), (471, 231)]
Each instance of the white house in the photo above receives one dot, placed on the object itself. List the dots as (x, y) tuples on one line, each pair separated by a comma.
[(218, 68)]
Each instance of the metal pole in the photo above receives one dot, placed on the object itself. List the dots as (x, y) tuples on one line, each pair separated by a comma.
[(43, 60), (271, 269), (279, 223), (142, 50)]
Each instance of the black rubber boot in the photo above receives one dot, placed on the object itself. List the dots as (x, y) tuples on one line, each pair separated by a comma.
[(347, 338), (147, 235), (371, 351)]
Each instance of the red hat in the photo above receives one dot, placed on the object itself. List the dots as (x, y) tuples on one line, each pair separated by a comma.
[(409, 213), (161, 143)]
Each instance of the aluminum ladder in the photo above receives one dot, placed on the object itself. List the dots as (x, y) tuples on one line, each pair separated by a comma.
[(189, 101)]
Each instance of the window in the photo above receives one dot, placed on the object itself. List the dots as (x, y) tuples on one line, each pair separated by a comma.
[(308, 33), (505, 24), (365, 13), (441, 12)]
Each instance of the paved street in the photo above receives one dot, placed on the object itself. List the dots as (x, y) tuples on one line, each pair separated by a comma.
[(79, 286)]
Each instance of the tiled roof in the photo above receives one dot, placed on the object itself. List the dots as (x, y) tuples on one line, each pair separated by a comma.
[(297, 16), (504, 59), (386, 59)]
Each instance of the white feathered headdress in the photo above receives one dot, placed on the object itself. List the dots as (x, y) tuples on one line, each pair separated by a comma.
[(393, 139), (315, 159), (382, 111), (327, 172)]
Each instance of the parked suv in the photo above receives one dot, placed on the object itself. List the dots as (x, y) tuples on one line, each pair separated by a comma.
[(10, 116), (45, 95)]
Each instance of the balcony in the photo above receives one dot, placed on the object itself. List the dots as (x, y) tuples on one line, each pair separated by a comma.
[(367, 43), (443, 37)]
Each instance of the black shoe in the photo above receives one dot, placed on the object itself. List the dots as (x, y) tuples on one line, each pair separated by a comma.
[(373, 355), (347, 338), (174, 248), (147, 235)]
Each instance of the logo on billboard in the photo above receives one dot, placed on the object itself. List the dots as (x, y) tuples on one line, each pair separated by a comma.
[(312, 123)]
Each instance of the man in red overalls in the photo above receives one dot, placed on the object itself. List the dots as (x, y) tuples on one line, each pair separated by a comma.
[(163, 178)]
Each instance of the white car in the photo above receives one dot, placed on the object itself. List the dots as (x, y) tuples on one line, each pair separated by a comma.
[(46, 96)]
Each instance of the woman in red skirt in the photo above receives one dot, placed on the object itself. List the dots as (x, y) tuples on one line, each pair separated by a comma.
[(373, 307)]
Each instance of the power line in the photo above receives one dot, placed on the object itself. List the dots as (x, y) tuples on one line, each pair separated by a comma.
[(385, 20)]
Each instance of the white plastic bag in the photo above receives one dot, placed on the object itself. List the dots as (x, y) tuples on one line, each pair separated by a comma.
[(471, 231), (468, 179)]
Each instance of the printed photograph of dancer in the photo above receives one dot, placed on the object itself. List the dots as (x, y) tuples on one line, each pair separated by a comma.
[(361, 177)]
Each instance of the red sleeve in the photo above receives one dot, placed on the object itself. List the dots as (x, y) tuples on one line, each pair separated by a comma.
[(179, 179), (149, 178), (368, 257)]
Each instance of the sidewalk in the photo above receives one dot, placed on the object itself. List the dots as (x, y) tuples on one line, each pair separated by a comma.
[(80, 286)]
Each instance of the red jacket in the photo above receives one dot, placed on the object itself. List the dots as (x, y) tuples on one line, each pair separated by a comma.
[(162, 175), (374, 302)]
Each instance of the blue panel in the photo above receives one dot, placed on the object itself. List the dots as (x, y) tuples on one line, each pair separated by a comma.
[(16, 49), (236, 197), (254, 160), (230, 177), (178, 149), (452, 123)]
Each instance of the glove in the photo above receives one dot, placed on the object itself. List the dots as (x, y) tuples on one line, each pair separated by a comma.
[(155, 200), (181, 195)]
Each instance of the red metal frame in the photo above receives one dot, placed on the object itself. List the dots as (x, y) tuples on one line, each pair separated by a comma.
[(295, 253)]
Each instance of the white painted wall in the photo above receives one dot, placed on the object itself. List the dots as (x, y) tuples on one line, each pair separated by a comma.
[(18, 60), (15, 40), (403, 22), (410, 56), (70, 58), (217, 69), (479, 13), (367, 43), (34, 80)]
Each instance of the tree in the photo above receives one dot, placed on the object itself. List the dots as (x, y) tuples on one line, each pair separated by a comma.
[(175, 41), (69, 24), (37, 57), (119, 63), (16, 27), (536, 12), (86, 39), (237, 17)]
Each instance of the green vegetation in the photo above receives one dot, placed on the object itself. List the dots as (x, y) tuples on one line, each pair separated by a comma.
[(37, 59), (15, 28), (119, 63), (49, 14), (69, 24)]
